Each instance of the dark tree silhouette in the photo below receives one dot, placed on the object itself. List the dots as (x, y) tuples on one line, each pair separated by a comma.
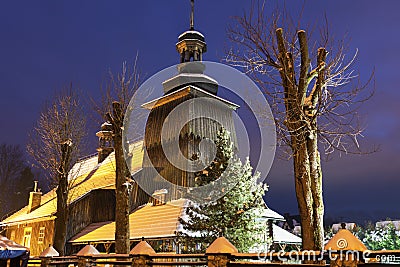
[(16, 179)]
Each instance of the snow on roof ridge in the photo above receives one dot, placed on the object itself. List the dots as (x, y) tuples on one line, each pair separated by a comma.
[(191, 31)]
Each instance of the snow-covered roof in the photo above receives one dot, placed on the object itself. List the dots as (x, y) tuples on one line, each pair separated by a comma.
[(190, 32), (281, 236), (271, 214), (7, 244), (89, 175), (142, 223), (384, 224), (297, 230), (84, 166), (187, 78)]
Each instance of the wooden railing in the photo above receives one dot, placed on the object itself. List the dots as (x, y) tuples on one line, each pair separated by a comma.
[(222, 255), (211, 260), (122, 260)]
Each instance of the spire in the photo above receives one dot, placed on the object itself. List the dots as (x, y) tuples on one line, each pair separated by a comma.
[(192, 15)]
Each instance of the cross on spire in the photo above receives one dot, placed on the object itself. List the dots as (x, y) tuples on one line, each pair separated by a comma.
[(192, 15)]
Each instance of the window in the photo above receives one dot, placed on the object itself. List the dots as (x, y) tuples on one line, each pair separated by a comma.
[(27, 236), (41, 235), (12, 235)]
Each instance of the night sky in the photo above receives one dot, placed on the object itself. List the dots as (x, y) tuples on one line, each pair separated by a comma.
[(48, 44)]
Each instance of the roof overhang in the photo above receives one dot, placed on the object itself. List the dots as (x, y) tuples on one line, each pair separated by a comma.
[(185, 91)]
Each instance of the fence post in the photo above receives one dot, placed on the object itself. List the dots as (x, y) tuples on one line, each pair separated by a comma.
[(84, 261), (47, 255), (141, 254), (45, 261), (348, 249), (220, 252), (85, 256)]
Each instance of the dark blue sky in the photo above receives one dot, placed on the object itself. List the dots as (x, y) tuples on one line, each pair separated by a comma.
[(46, 45)]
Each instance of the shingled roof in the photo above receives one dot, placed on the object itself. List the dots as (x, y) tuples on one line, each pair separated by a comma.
[(141, 223), (89, 176)]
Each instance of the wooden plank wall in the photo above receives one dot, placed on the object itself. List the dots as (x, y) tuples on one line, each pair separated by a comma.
[(35, 247)]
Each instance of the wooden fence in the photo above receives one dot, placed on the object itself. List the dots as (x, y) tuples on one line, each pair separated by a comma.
[(210, 260), (221, 253)]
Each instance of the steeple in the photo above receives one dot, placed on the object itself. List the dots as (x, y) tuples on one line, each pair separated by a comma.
[(191, 44), (181, 104)]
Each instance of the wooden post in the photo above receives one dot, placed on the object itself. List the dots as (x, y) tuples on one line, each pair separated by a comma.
[(84, 261), (141, 261), (347, 249), (47, 255), (85, 256), (45, 261), (219, 252), (141, 254)]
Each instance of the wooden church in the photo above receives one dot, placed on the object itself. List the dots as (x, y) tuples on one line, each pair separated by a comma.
[(182, 121), (92, 199)]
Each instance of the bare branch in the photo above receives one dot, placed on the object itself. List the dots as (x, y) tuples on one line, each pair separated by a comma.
[(305, 63), (305, 118), (61, 119)]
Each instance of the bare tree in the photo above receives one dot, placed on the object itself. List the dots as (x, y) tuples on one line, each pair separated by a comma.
[(118, 92), (56, 144), (312, 98), (118, 87)]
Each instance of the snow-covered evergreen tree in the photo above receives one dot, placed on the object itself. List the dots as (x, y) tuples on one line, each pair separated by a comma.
[(380, 238), (236, 215)]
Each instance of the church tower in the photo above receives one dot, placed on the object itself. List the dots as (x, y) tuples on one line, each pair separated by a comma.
[(188, 117)]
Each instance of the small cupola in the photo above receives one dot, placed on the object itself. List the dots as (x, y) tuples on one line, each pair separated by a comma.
[(105, 136), (191, 44)]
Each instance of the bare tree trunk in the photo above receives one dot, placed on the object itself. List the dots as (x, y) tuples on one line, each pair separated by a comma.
[(314, 156), (308, 185), (122, 186), (309, 91), (303, 133), (316, 189), (61, 221), (120, 87), (304, 195)]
